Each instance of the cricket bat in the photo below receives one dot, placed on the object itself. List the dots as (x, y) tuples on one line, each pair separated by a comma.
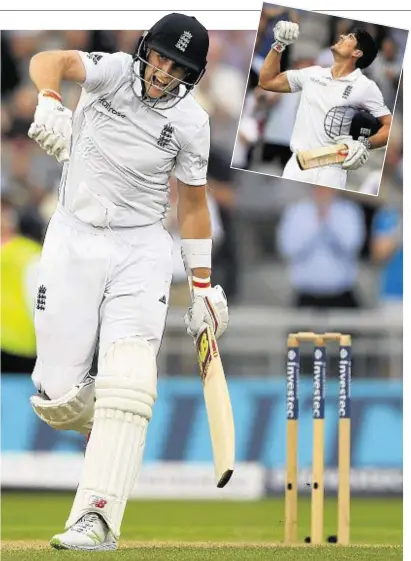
[(218, 405), (323, 156)]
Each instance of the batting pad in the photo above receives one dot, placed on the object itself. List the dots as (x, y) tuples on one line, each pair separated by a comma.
[(126, 389)]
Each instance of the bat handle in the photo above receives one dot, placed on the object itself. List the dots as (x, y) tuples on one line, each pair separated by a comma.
[(190, 285)]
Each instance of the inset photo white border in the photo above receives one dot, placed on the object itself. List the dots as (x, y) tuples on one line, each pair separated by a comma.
[(317, 109)]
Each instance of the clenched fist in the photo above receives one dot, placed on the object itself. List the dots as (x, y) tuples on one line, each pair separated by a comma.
[(285, 33), (51, 128), (210, 308)]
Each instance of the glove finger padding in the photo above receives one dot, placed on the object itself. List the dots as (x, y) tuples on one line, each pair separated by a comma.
[(289, 31), (286, 32), (52, 125), (356, 157), (64, 156), (58, 146), (42, 136), (357, 152), (34, 131), (50, 142)]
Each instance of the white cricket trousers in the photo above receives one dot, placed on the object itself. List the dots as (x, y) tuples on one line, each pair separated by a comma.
[(330, 176), (96, 285)]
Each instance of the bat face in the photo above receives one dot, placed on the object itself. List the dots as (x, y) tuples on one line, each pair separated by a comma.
[(323, 156), (205, 345), (218, 405)]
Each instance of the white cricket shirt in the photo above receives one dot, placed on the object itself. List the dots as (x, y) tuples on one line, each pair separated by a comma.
[(320, 92), (123, 152)]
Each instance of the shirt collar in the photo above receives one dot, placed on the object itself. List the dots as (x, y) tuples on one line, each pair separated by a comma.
[(349, 78)]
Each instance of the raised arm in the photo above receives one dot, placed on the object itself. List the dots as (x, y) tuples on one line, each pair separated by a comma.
[(271, 79), (95, 72), (49, 68), (51, 127)]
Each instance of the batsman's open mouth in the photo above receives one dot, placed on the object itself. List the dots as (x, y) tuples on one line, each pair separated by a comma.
[(157, 86)]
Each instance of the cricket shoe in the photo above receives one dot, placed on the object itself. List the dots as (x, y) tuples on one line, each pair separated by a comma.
[(90, 533)]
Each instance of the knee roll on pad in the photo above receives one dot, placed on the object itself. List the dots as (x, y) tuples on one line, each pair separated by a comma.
[(126, 389), (128, 378), (73, 411)]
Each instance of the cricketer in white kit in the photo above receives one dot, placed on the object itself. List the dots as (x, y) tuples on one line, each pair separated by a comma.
[(330, 97), (106, 265)]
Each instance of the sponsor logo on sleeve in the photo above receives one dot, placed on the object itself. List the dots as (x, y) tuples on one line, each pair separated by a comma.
[(95, 57)]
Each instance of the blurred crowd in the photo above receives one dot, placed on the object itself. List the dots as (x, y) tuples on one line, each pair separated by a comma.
[(261, 225), (268, 118)]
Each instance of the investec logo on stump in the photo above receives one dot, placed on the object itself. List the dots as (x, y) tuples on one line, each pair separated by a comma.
[(319, 384), (345, 379), (293, 365)]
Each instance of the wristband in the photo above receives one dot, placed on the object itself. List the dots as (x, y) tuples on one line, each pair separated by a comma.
[(52, 94), (196, 254), (278, 46), (365, 141), (201, 287), (200, 283)]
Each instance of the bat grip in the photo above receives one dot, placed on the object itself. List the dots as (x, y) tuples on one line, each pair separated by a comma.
[(190, 285)]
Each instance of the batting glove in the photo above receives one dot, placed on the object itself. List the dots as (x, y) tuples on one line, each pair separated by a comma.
[(357, 152), (209, 306), (285, 33), (52, 126)]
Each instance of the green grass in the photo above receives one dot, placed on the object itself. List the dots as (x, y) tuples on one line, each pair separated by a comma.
[(194, 530)]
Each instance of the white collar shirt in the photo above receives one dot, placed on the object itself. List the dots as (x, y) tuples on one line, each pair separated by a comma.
[(123, 152), (320, 93)]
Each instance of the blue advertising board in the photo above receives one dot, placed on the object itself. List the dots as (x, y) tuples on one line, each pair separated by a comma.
[(179, 429)]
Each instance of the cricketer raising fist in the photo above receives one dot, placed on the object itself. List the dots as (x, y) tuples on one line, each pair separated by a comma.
[(285, 33), (51, 127)]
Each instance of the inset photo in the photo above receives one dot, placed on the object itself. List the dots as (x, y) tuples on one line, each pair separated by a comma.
[(320, 98)]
